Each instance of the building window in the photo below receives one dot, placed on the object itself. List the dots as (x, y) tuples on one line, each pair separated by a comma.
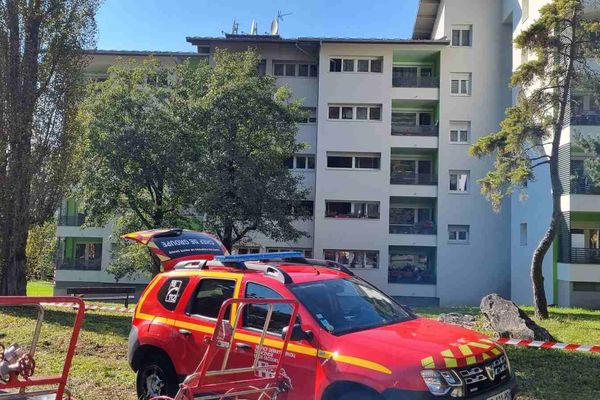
[(411, 220), (458, 233), (311, 117), (414, 76), (352, 209), (355, 112), (523, 234), (305, 252), (460, 131), (460, 83), (362, 64), (412, 265), (294, 69), (248, 250), (370, 161), (412, 172), (459, 181), (262, 67), (301, 161), (586, 287), (462, 35), (364, 259)]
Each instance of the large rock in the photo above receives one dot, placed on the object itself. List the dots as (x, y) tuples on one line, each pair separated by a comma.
[(464, 320), (510, 321)]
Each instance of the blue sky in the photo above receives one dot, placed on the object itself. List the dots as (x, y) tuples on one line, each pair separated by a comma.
[(164, 24)]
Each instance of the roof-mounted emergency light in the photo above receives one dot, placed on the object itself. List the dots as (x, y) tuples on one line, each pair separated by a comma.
[(259, 256)]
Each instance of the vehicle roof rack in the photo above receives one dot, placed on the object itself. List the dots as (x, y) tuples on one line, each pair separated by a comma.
[(322, 263), (239, 262)]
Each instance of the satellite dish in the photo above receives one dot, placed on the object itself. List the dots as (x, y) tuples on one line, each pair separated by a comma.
[(275, 27), (253, 28)]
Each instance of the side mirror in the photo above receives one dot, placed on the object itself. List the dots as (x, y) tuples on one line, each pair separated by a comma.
[(297, 333)]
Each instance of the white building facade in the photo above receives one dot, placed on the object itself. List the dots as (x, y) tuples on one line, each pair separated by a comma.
[(393, 188)]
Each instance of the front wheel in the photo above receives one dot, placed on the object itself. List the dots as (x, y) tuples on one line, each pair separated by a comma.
[(156, 377)]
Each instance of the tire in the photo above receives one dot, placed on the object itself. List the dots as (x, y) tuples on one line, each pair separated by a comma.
[(359, 395), (156, 377)]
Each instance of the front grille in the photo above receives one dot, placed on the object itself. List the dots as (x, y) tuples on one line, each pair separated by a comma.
[(485, 376)]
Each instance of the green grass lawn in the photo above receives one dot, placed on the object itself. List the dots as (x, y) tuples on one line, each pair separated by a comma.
[(100, 369), (40, 288)]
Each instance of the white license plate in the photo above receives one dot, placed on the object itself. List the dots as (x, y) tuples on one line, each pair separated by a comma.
[(501, 396)]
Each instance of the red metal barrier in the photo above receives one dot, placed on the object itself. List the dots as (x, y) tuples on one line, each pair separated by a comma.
[(59, 382)]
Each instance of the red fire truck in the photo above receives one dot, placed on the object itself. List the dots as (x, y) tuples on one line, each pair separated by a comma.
[(265, 326)]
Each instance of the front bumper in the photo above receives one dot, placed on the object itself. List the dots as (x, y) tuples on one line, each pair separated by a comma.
[(397, 394)]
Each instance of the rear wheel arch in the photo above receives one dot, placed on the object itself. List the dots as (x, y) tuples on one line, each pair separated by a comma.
[(147, 352), (348, 390)]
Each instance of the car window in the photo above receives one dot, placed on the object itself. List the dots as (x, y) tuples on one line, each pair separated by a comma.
[(256, 314), (348, 305), (209, 296), (171, 291)]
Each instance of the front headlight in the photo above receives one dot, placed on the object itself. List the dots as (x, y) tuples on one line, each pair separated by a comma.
[(440, 383)]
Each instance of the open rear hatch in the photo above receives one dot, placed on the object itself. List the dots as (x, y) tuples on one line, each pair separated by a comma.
[(170, 246)]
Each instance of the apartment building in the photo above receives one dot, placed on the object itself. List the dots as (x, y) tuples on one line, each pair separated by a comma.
[(393, 189)]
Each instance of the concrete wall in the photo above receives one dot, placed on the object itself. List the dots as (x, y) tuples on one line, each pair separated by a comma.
[(468, 272)]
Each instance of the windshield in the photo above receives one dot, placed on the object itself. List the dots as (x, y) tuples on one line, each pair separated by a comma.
[(348, 305)]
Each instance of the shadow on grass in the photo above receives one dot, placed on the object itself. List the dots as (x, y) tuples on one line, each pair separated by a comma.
[(118, 325), (555, 374)]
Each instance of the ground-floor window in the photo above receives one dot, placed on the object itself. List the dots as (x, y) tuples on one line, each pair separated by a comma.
[(413, 265)]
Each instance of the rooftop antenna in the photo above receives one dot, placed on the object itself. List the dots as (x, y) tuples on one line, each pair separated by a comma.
[(275, 23), (253, 28), (234, 28)]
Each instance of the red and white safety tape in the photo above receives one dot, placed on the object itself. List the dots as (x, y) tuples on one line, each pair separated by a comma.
[(512, 342), (548, 345), (92, 307)]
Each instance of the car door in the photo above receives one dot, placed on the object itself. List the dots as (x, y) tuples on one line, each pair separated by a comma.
[(200, 315), (300, 360)]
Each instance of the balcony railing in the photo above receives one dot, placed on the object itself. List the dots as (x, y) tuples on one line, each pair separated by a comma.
[(585, 256), (411, 274), (399, 80), (81, 265), (411, 178), (419, 229), (586, 120), (416, 130), (583, 185), (71, 220)]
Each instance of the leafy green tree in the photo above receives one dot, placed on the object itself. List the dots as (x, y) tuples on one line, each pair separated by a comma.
[(246, 131), (41, 82), (591, 147), (137, 171), (563, 43), (41, 249)]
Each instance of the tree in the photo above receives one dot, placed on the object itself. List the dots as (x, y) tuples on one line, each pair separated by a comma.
[(137, 170), (41, 249), (41, 81), (248, 130), (563, 43)]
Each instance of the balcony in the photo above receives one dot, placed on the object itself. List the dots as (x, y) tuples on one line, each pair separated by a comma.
[(583, 185), (427, 228), (585, 120), (410, 178), (400, 80), (71, 220), (585, 256), (79, 265), (412, 265), (415, 130)]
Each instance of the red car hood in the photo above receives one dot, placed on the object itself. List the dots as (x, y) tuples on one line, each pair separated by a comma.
[(417, 344)]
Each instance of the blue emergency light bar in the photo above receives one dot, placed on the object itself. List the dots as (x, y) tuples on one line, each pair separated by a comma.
[(260, 256)]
